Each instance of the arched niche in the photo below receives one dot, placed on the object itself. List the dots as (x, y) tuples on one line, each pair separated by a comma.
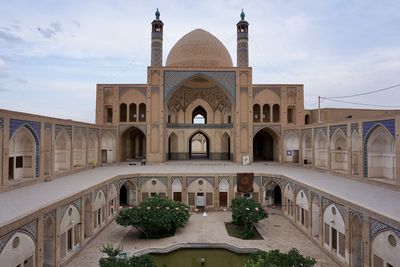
[(288, 199), (49, 242), (173, 152), (272, 195), (99, 208), (20, 250), (334, 231), (292, 145), (62, 160), (153, 187), (386, 249), (133, 144), (225, 147), (93, 156), (79, 149), (339, 153), (321, 149), (22, 154), (47, 151), (177, 190), (307, 149), (69, 231), (315, 224), (266, 145), (356, 243), (355, 152), (381, 155), (302, 208), (108, 148)]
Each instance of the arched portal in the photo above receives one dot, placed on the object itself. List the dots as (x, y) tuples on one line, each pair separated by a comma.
[(225, 147), (356, 242), (173, 147), (108, 148), (315, 207), (22, 155), (199, 115), (49, 243), (177, 190), (265, 145), (123, 195), (199, 146), (133, 144), (291, 151), (273, 195)]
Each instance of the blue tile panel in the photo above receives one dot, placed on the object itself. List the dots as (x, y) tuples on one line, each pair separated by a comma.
[(174, 79), (368, 128), (377, 227), (34, 128)]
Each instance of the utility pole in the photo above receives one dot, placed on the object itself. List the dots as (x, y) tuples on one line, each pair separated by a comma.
[(319, 109)]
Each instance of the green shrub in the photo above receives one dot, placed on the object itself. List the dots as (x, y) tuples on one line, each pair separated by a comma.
[(275, 258), (155, 217), (246, 212), (115, 259)]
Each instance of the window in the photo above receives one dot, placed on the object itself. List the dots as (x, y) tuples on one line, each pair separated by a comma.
[(209, 199), (191, 199), (142, 112), (307, 119), (256, 113), (199, 115), (229, 119), (247, 195), (334, 239), (69, 240), (109, 114), (98, 217), (275, 113), (153, 194), (123, 112), (341, 244), (112, 206), (132, 112), (266, 113), (19, 162), (290, 115), (326, 239), (302, 216)]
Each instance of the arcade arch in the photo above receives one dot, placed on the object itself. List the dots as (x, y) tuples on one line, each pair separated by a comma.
[(62, 161), (108, 148), (133, 144), (265, 145), (93, 149), (339, 154), (292, 147), (69, 231), (321, 149), (288, 200), (302, 208), (22, 155), (381, 156), (272, 195), (199, 146), (19, 251), (79, 149), (177, 190), (49, 242), (386, 249), (334, 231)]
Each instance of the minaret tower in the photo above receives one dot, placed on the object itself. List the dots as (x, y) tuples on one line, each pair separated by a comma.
[(242, 42), (156, 41)]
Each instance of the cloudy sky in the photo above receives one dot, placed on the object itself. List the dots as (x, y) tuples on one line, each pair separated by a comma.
[(53, 53)]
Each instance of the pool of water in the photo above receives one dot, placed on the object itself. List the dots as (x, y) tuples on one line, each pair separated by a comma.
[(192, 257)]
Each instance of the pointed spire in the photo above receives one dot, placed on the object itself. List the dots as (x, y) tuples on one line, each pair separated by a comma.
[(157, 14), (242, 15)]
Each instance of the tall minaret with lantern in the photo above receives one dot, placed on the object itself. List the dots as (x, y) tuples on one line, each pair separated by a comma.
[(242, 42), (156, 41)]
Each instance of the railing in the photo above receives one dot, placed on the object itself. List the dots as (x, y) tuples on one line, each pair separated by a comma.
[(211, 156), (201, 126)]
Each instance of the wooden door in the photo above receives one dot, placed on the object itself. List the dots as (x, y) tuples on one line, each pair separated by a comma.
[(178, 196), (223, 199), (104, 155)]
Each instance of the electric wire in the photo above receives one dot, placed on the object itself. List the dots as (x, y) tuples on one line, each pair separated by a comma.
[(365, 93), (357, 103)]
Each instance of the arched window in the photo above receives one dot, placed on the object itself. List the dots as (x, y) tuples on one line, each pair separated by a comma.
[(199, 115), (266, 113), (256, 113), (142, 112), (291, 115), (132, 112), (122, 112), (307, 119), (275, 113)]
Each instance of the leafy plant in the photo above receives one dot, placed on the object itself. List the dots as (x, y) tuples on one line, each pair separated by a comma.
[(246, 212), (275, 258), (155, 217), (116, 259)]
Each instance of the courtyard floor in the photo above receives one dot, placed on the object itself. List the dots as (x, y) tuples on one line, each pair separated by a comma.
[(277, 231)]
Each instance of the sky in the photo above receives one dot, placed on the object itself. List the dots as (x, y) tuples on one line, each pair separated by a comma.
[(53, 53)]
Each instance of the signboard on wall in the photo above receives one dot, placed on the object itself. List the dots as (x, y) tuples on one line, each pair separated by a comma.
[(245, 182)]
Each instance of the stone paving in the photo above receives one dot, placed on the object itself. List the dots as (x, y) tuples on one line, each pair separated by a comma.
[(18, 203), (277, 231)]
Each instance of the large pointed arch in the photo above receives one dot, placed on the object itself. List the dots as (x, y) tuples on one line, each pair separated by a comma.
[(199, 146), (62, 161), (133, 144)]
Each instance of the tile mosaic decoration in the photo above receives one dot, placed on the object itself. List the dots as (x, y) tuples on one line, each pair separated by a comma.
[(356, 213), (29, 229), (174, 79), (191, 179), (34, 128), (144, 179), (326, 202), (377, 227), (368, 128), (342, 127)]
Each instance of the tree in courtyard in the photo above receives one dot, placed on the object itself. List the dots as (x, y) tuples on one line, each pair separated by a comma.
[(155, 217), (275, 258), (115, 258), (246, 212)]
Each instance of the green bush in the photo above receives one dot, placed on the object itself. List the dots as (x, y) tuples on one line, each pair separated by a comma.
[(246, 212), (275, 258), (115, 259), (155, 217)]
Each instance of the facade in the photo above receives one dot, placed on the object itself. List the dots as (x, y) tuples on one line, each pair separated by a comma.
[(200, 106)]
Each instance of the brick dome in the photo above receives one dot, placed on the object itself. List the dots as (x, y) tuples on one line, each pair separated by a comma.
[(199, 49)]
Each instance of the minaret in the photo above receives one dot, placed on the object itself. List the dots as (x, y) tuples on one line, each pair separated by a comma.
[(156, 41), (242, 42)]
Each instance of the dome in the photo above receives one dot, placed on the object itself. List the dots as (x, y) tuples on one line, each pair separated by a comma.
[(199, 49)]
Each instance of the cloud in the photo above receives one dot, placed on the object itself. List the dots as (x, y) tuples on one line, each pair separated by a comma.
[(77, 24), (21, 80), (52, 30), (9, 37)]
